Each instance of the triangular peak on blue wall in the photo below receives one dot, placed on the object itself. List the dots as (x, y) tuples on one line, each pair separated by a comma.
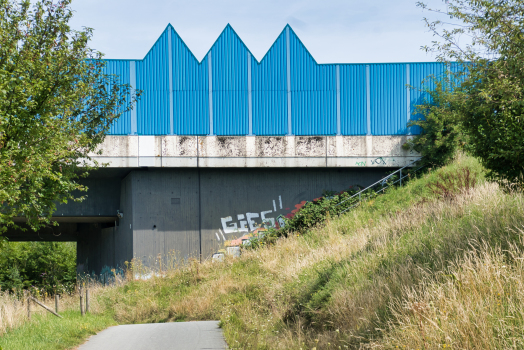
[(228, 34)]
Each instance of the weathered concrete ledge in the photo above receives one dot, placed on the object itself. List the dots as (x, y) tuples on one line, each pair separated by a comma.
[(254, 151)]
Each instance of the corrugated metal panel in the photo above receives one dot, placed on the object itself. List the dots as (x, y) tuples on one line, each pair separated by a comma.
[(269, 90), (180, 91), (388, 99), (121, 126), (152, 78), (421, 78), (313, 93), (353, 99), (459, 70), (230, 95), (190, 90)]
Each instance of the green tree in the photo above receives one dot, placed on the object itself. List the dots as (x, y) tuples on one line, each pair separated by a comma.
[(442, 133), (48, 266), (56, 103), (487, 37)]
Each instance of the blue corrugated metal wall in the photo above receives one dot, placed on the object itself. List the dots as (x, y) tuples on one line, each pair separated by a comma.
[(313, 93), (422, 77), (269, 90), (152, 77), (190, 90), (353, 103), (122, 126), (229, 77), (287, 93)]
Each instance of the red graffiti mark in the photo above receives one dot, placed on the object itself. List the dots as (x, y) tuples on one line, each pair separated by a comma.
[(237, 242)]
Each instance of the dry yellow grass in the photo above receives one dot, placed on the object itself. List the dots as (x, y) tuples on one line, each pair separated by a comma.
[(13, 309), (407, 270)]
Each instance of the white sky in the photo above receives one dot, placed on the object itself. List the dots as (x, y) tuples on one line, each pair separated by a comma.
[(334, 31)]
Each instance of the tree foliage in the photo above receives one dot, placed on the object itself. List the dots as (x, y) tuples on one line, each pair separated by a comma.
[(442, 133), (487, 37), (41, 266), (56, 103)]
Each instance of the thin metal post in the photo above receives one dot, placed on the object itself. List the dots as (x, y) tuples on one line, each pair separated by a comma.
[(82, 312), (27, 297), (56, 302), (400, 177), (87, 300)]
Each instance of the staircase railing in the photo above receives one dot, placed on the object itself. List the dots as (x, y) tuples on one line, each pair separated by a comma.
[(382, 182)]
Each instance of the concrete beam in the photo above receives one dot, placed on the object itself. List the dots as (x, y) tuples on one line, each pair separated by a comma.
[(254, 151)]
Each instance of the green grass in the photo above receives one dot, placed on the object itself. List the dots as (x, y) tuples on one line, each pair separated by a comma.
[(349, 282), (50, 333)]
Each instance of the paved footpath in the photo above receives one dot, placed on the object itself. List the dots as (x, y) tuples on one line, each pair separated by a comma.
[(159, 336)]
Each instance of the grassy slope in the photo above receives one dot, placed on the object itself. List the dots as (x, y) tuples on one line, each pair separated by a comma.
[(47, 333), (405, 270)]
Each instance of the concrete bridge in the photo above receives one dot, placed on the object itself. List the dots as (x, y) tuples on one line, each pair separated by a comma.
[(183, 196), (218, 148)]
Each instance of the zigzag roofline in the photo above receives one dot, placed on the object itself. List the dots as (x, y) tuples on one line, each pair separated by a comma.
[(292, 32)]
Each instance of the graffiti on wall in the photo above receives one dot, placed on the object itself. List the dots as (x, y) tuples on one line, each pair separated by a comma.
[(251, 222)]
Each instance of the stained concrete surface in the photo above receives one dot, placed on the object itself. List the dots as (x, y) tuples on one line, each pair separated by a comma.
[(159, 336)]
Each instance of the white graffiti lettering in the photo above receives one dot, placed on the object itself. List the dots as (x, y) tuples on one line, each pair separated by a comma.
[(266, 220), (247, 222), (229, 229), (252, 224)]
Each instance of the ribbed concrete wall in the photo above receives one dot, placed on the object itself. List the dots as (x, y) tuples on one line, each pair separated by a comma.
[(187, 213)]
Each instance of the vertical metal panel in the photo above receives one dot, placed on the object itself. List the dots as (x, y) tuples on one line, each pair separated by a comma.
[(388, 99), (250, 105), (458, 71), (210, 75), (270, 91), (408, 117), (120, 68), (132, 82), (338, 101), (288, 78), (231, 93), (313, 92), (153, 80), (170, 53), (229, 83), (190, 90), (368, 102), (353, 103), (421, 78)]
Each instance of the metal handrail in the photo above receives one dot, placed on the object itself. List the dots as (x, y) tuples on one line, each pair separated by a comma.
[(383, 181)]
